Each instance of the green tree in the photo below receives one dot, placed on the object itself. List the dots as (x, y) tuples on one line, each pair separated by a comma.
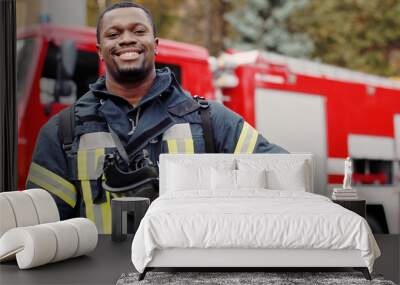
[(165, 13), (356, 34), (261, 24), (203, 23), (192, 21)]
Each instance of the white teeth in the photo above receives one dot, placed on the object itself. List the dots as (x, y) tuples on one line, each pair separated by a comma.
[(129, 55)]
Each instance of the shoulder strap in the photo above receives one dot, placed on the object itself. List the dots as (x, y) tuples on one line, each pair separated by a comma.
[(205, 115), (66, 127), (118, 144)]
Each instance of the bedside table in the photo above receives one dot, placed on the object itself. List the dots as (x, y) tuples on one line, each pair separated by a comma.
[(357, 206), (120, 209)]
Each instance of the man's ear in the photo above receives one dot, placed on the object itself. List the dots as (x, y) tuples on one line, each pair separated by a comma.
[(156, 46), (99, 51)]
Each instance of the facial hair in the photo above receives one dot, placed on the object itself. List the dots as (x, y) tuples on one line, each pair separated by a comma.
[(132, 74)]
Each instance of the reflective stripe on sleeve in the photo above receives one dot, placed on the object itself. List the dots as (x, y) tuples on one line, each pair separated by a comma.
[(88, 165), (247, 139), (53, 183)]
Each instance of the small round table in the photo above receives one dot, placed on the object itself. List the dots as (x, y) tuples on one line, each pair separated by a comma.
[(120, 208)]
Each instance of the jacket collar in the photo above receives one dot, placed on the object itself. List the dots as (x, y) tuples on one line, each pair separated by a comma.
[(161, 83)]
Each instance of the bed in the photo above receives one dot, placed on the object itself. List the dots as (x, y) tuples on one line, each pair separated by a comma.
[(246, 211)]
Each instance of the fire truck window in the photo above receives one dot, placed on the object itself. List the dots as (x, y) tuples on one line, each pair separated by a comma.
[(176, 69), (25, 50), (370, 171), (86, 72)]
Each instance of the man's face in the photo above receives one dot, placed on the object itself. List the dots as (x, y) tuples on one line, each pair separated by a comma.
[(127, 44)]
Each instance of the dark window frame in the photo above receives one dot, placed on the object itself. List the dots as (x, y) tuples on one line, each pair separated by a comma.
[(86, 70), (374, 170), (8, 114)]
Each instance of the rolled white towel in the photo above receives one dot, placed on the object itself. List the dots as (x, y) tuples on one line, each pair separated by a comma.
[(87, 235), (26, 208), (7, 217), (45, 205), (23, 208), (32, 246), (66, 238), (40, 244)]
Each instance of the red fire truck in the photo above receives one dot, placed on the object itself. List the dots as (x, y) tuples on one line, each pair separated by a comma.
[(333, 112)]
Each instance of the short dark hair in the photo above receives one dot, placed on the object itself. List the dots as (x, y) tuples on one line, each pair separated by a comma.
[(124, 4)]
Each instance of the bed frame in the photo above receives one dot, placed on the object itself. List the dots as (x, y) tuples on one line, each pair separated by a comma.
[(242, 259)]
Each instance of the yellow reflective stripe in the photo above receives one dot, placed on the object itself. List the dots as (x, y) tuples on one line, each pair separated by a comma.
[(106, 215), (67, 185), (172, 146), (98, 153), (82, 164), (189, 146), (105, 207), (253, 142), (52, 189), (87, 198), (180, 146), (100, 214), (242, 136), (85, 184), (247, 139), (82, 168), (53, 183)]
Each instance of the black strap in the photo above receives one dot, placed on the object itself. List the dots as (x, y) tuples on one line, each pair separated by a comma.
[(119, 145), (66, 127), (205, 115)]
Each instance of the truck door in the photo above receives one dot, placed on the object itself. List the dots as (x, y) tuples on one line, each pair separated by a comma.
[(296, 122)]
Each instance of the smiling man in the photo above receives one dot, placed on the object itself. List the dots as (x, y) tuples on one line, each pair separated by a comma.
[(134, 107), (128, 45)]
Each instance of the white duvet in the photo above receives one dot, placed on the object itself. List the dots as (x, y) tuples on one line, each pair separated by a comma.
[(250, 219)]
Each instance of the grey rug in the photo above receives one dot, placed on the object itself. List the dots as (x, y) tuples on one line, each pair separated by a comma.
[(269, 278)]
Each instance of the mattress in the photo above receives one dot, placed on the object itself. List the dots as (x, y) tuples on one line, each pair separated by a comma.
[(251, 219)]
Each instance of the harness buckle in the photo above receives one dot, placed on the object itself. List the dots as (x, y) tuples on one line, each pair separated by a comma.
[(67, 147), (202, 101)]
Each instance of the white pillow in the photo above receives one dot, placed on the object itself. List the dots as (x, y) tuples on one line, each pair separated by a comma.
[(182, 177), (282, 174), (193, 174), (251, 178), (223, 179), (292, 179), (227, 179)]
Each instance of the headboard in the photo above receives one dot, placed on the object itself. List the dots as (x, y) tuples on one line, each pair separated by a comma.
[(215, 158)]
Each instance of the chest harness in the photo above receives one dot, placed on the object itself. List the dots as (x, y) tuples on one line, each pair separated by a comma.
[(134, 175)]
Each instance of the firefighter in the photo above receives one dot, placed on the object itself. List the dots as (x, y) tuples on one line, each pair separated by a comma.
[(146, 108)]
